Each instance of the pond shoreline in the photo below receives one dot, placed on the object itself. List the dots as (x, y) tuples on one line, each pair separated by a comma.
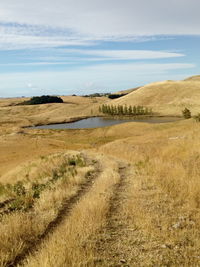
[(104, 121), (75, 119)]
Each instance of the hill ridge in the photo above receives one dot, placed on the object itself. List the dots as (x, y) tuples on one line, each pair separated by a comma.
[(166, 97)]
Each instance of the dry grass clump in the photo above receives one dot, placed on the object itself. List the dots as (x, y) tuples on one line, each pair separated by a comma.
[(163, 204), (156, 230), (23, 225), (73, 242), (170, 156)]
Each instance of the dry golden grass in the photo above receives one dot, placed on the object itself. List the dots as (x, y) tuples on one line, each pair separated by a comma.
[(18, 145), (73, 107), (73, 242), (19, 148), (167, 97), (163, 196), (159, 214), (20, 229)]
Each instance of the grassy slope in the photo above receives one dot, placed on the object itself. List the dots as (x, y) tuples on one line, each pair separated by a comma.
[(73, 106), (161, 210), (167, 97)]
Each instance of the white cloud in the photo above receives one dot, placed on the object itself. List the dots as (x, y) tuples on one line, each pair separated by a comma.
[(106, 76), (17, 41), (47, 23), (130, 54), (75, 56), (107, 18)]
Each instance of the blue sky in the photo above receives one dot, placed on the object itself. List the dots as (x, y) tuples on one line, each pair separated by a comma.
[(80, 47)]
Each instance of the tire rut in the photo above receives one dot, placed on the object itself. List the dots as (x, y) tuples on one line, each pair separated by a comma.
[(110, 234), (63, 213)]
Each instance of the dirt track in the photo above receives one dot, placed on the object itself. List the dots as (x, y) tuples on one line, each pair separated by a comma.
[(109, 236), (63, 213)]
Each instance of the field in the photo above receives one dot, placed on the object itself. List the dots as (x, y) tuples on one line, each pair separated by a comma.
[(113, 196)]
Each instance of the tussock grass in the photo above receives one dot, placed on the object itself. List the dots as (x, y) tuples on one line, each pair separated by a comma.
[(20, 229), (162, 204), (73, 243)]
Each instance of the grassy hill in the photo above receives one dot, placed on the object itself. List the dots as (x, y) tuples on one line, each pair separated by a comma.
[(23, 115), (166, 97), (193, 78)]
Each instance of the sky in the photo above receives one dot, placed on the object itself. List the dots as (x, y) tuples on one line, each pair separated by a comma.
[(68, 47)]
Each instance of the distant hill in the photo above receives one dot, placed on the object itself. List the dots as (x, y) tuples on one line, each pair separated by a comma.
[(166, 97), (193, 78)]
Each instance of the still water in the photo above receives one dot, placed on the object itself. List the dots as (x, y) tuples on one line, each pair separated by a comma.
[(104, 121)]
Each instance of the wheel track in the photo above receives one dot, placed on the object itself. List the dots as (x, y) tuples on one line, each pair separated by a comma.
[(6, 202), (114, 224), (3, 207), (63, 213)]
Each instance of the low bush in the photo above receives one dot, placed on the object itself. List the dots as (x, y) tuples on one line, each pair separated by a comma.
[(186, 113), (197, 117), (45, 99), (114, 96)]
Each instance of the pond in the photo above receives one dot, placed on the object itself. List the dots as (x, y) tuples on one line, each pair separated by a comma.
[(95, 122)]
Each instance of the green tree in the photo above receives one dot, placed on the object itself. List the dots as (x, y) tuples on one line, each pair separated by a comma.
[(146, 111), (130, 110), (134, 110), (186, 113), (118, 110), (125, 110), (142, 110), (44, 99), (138, 108), (115, 110), (112, 110), (108, 110), (197, 117)]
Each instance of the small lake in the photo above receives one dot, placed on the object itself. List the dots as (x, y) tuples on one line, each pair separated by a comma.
[(96, 122)]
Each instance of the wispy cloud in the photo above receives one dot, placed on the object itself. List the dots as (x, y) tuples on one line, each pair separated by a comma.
[(46, 23), (130, 54), (97, 77), (75, 56), (15, 37), (107, 18)]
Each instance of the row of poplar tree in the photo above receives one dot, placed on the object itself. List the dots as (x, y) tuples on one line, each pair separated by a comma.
[(125, 110)]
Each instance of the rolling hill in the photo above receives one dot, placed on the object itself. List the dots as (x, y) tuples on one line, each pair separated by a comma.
[(166, 97)]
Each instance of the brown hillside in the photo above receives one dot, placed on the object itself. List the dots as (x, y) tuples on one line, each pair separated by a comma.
[(193, 78), (167, 97)]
